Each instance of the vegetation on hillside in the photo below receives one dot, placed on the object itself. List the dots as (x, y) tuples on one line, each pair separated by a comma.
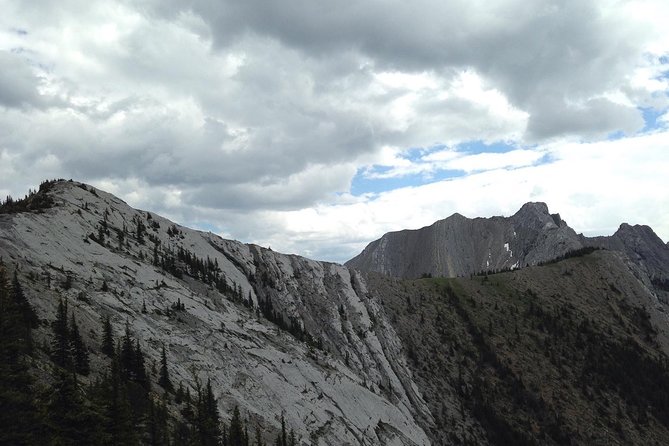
[(33, 201), (122, 403), (545, 355)]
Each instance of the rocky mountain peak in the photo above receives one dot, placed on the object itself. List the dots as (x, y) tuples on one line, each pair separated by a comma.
[(536, 214), (533, 207), (643, 246), (637, 231), (460, 246), (457, 216)]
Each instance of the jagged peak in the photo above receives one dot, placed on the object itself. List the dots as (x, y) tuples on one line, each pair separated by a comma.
[(626, 227), (536, 214), (454, 217), (645, 231), (534, 207)]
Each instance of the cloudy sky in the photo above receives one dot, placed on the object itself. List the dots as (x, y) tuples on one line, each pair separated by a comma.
[(315, 127)]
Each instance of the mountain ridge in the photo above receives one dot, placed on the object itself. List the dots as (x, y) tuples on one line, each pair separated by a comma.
[(79, 236), (460, 246), (356, 357)]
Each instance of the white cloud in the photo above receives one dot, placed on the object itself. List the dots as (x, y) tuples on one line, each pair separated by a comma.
[(265, 112), (431, 162), (594, 187), (490, 161)]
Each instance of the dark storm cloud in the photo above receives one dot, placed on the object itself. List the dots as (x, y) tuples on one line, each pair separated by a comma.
[(280, 86), (251, 107), (543, 55), (18, 84), (595, 118)]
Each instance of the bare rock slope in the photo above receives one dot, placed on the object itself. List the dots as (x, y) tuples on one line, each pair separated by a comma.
[(335, 368)]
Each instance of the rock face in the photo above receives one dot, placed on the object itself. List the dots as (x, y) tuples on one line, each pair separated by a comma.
[(349, 384), (458, 246), (641, 245)]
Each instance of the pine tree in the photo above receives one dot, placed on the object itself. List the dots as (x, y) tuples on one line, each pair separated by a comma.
[(68, 282), (127, 356), (101, 235), (235, 434), (69, 419), (284, 438), (164, 378), (60, 347), (179, 395), (27, 311), (107, 346), (140, 232), (17, 403), (210, 403), (139, 368), (207, 419), (186, 429), (78, 348), (157, 423), (118, 409)]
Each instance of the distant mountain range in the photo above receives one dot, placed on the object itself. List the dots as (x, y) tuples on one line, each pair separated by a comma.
[(460, 246), (555, 342)]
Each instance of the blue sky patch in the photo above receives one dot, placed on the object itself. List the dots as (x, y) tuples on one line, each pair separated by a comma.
[(650, 116), (475, 147), (361, 184)]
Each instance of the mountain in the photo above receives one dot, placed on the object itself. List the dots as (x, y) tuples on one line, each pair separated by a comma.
[(460, 246), (642, 246), (106, 259), (572, 351)]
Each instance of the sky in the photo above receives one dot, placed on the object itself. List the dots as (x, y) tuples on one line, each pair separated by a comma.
[(316, 127)]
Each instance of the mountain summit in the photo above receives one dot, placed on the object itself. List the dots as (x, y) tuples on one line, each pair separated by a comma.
[(460, 246)]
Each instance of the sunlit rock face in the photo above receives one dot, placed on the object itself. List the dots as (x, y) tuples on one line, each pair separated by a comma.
[(334, 368)]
